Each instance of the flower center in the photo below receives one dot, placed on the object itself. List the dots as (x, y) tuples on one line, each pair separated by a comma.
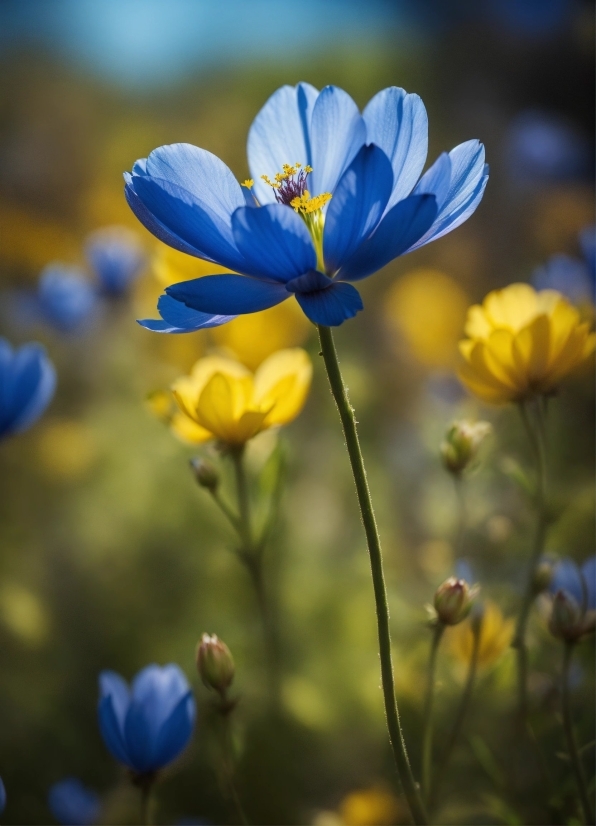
[(290, 189)]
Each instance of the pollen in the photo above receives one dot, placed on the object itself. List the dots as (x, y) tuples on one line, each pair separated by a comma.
[(305, 204), (248, 183)]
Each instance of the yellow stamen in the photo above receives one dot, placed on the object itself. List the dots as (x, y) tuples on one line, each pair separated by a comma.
[(248, 183), (305, 204)]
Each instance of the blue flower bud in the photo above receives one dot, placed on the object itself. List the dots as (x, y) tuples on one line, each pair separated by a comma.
[(73, 804), (148, 725), (28, 379)]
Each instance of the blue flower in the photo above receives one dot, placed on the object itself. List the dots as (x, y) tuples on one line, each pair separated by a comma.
[(544, 148), (117, 258), (573, 277), (148, 726), (2, 796), (27, 384), (73, 804), (67, 301), (346, 199), (578, 583)]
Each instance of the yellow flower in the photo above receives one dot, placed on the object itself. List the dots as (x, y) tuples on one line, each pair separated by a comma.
[(376, 806), (250, 338), (522, 343), (222, 399), (496, 634), (427, 308)]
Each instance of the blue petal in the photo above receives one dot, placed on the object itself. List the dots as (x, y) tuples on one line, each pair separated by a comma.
[(116, 256), (280, 134), (357, 205), (27, 385), (274, 241), (176, 731), (159, 689), (112, 732), (325, 301), (337, 132), (178, 318), (140, 735), (589, 575), (114, 686), (399, 229), (587, 241), (2, 796), (66, 299), (208, 234), (150, 222), (228, 294), (567, 275), (398, 123), (73, 804), (567, 577), (468, 179)]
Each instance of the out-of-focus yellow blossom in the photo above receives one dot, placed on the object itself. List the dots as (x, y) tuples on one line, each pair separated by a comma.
[(254, 337), (496, 634), (375, 806), (22, 612), (522, 343), (31, 241), (427, 308), (66, 449), (250, 338), (223, 400)]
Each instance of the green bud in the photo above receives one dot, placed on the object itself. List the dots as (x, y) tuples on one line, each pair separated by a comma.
[(215, 663), (453, 600), (565, 617), (461, 444), (543, 575), (205, 473)]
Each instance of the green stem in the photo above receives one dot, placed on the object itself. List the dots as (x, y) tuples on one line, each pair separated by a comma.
[(251, 555), (225, 509), (536, 436), (459, 720), (427, 735), (229, 768), (570, 737), (348, 421), (461, 515), (146, 789)]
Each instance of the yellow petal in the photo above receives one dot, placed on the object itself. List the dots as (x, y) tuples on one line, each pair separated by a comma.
[(208, 366), (186, 396), (531, 348), (485, 392), (282, 383), (511, 308), (188, 431), (477, 324), (222, 403), (500, 359)]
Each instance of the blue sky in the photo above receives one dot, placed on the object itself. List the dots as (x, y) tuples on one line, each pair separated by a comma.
[(139, 43)]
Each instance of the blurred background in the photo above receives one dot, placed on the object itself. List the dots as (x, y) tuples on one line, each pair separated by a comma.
[(112, 557)]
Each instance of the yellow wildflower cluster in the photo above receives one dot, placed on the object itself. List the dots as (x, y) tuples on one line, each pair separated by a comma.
[(221, 399), (522, 343)]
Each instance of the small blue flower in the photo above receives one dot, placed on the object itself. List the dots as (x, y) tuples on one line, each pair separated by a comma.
[(544, 148), (148, 726), (73, 804), (116, 257), (346, 199), (2, 796), (578, 583), (67, 301), (27, 385), (574, 277)]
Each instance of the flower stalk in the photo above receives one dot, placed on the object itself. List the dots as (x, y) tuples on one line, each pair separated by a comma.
[(536, 435), (572, 748), (348, 420), (427, 736)]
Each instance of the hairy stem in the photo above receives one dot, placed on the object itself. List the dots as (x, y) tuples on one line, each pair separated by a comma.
[(572, 748), (348, 421)]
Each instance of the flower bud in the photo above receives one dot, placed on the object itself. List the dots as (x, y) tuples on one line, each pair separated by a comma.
[(215, 663), (566, 617), (543, 575), (461, 444), (453, 600), (205, 473)]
